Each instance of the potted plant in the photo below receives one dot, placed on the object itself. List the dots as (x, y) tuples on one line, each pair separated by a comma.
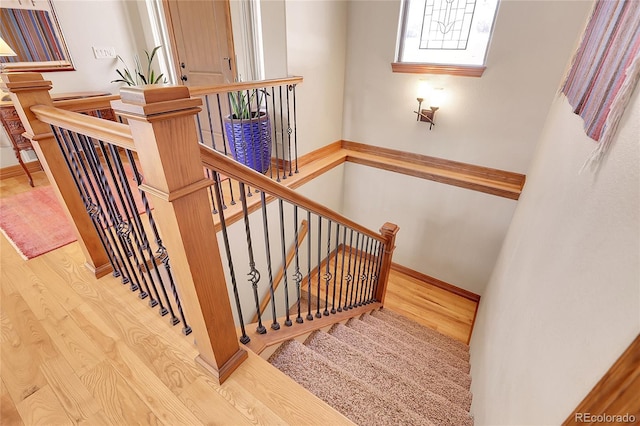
[(248, 129), (139, 76)]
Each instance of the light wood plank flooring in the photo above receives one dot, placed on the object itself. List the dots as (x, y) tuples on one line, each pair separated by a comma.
[(79, 350)]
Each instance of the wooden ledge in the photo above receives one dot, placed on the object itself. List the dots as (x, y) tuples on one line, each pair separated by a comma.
[(483, 179)]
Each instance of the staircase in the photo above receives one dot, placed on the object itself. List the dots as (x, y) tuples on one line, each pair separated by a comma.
[(383, 369)]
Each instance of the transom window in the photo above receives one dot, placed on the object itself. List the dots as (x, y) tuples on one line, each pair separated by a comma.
[(446, 32)]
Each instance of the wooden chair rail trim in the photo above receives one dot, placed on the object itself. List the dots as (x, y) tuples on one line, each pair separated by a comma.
[(259, 342), (107, 131), (230, 168), (483, 179), (243, 85), (617, 392), (304, 227)]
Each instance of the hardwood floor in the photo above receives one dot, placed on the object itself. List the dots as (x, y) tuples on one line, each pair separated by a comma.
[(75, 349)]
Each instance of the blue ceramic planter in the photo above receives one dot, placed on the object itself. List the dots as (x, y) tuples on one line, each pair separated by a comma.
[(250, 141)]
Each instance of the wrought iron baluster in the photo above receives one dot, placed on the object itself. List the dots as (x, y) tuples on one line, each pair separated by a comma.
[(91, 204), (349, 276), (344, 249), (275, 133), (199, 125), (295, 124), (327, 275), (289, 131), (225, 237), (379, 266), (213, 140), (319, 264), (359, 274), (284, 261), (335, 270), (254, 274), (309, 316), (275, 325), (374, 272), (284, 172), (224, 145), (365, 272), (297, 276), (353, 272)]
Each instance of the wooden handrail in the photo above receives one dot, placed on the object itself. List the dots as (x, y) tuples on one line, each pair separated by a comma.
[(230, 168), (243, 85), (108, 131), (86, 104), (304, 227)]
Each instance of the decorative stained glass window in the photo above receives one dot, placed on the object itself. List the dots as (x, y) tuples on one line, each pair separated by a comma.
[(447, 32)]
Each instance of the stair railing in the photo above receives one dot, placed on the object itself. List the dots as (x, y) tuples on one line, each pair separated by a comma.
[(162, 134)]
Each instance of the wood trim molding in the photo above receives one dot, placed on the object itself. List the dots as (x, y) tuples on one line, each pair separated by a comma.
[(616, 394), (416, 68), (478, 178), (436, 282), (16, 170)]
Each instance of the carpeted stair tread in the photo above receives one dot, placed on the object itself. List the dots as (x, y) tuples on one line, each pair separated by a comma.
[(418, 344), (423, 333), (403, 366), (426, 358), (423, 402), (356, 400)]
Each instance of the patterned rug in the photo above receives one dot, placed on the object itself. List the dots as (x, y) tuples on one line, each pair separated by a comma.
[(34, 222)]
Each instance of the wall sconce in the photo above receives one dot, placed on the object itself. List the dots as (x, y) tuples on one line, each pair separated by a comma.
[(428, 115)]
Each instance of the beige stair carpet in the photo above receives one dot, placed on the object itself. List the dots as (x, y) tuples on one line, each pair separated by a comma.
[(365, 372)]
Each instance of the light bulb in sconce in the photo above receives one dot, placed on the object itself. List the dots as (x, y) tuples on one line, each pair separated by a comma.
[(433, 98)]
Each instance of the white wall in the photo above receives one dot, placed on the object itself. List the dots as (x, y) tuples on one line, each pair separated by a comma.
[(564, 300), (450, 233), (316, 49)]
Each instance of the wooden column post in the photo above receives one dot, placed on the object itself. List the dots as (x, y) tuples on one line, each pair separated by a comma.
[(388, 232), (27, 90), (164, 131)]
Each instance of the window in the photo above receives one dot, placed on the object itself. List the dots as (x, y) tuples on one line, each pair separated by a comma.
[(445, 36)]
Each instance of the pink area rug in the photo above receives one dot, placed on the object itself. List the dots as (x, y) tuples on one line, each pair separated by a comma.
[(34, 222)]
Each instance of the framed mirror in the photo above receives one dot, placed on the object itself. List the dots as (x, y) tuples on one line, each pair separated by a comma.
[(31, 29)]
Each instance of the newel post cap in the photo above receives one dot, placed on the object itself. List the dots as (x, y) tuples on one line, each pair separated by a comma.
[(24, 81), (155, 101)]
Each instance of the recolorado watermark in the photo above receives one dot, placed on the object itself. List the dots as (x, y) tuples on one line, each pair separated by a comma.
[(604, 418)]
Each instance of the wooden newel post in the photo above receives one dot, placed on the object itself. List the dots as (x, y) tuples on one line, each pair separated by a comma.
[(164, 132), (27, 90), (388, 232)]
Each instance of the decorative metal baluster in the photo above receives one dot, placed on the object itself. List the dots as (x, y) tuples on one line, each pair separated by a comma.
[(319, 264), (254, 274), (327, 275), (289, 131), (124, 226), (139, 233), (266, 111), (365, 274), (265, 224), (102, 187), (344, 249), (297, 276), (374, 271), (275, 134), (359, 276), (213, 140), (284, 172), (90, 201), (349, 276), (353, 272), (284, 261), (138, 180), (199, 125), (335, 270), (378, 267), (225, 237), (224, 145), (309, 316), (295, 124), (212, 197)]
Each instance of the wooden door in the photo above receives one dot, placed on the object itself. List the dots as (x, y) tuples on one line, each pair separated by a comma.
[(203, 53)]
